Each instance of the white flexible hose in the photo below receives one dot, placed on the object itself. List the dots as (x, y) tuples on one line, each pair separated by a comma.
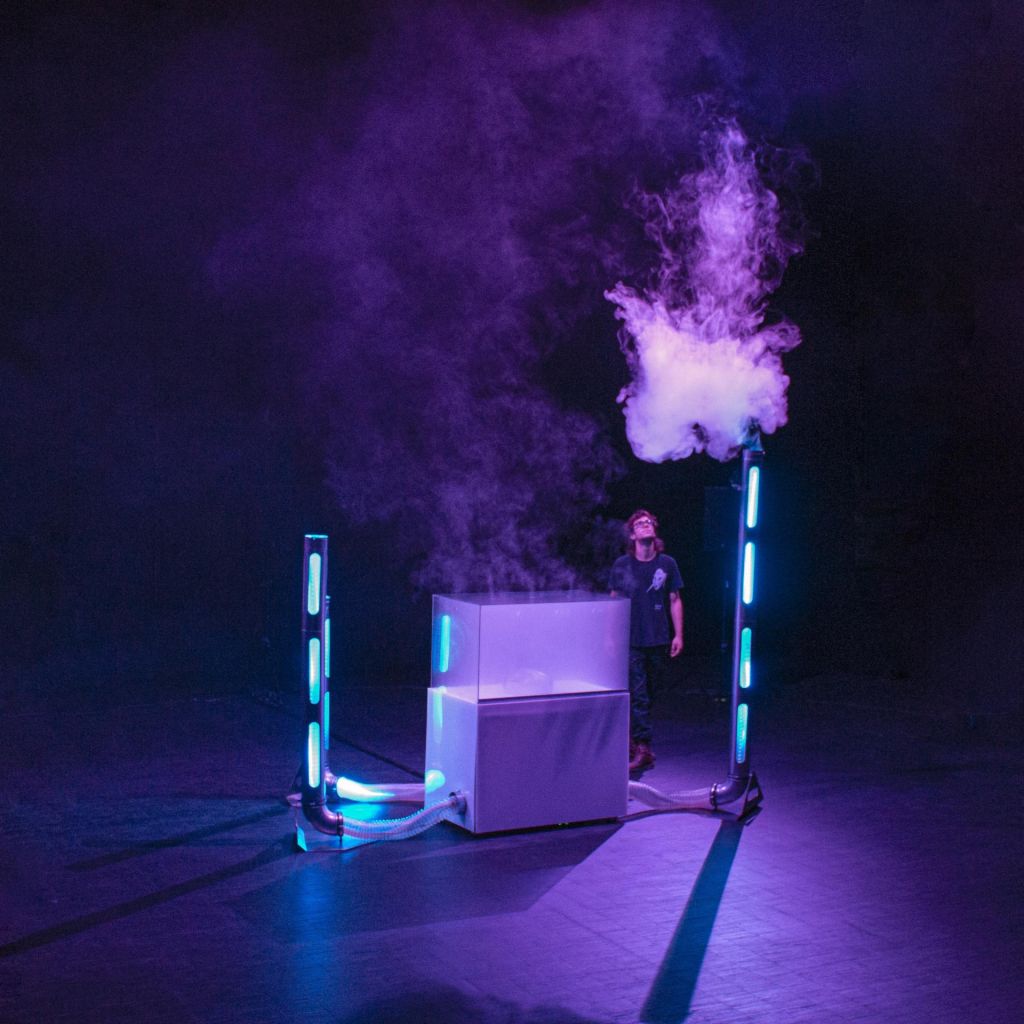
[(687, 799), (404, 828), (387, 792), (393, 793)]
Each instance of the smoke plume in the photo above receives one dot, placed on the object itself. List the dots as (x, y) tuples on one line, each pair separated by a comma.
[(465, 229), (706, 367)]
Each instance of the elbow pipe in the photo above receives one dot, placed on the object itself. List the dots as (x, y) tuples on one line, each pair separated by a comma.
[(329, 822), (729, 791), (710, 798)]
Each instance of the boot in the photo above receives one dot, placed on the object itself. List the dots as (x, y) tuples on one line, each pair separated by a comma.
[(643, 758)]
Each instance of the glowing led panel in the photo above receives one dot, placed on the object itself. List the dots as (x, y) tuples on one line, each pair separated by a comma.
[(313, 755), (327, 719), (748, 572), (327, 648), (745, 659), (753, 486), (437, 708), (444, 643), (741, 734), (314, 670), (313, 585)]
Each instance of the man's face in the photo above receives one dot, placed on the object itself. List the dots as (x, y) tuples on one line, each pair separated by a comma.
[(643, 529)]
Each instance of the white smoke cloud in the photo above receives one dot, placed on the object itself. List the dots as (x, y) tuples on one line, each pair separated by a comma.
[(706, 368)]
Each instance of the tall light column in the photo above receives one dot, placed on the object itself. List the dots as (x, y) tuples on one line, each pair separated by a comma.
[(744, 622), (314, 660)]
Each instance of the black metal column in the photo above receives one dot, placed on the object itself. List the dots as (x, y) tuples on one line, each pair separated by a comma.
[(744, 619), (314, 654)]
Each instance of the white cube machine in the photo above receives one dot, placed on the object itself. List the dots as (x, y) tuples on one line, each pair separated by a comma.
[(528, 707)]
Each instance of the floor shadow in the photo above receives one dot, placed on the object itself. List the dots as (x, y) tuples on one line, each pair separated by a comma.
[(141, 847), (446, 876), (451, 1006), (669, 999), (46, 936)]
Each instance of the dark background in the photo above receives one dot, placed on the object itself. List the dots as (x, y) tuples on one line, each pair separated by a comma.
[(339, 268)]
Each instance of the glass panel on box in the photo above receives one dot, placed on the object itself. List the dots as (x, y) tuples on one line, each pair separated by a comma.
[(505, 645)]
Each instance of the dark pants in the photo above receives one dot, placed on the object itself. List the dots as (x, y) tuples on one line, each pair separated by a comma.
[(648, 667)]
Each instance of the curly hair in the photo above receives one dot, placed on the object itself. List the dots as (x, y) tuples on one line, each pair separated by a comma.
[(642, 513)]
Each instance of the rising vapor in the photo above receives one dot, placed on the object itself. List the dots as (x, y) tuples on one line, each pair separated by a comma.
[(706, 367)]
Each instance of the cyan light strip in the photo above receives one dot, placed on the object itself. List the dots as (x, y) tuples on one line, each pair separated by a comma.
[(437, 709), (444, 644), (753, 486), (313, 755), (748, 572), (313, 585), (327, 649), (314, 670), (741, 734), (327, 719), (745, 638)]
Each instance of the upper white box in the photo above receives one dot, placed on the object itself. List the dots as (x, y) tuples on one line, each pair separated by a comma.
[(497, 646)]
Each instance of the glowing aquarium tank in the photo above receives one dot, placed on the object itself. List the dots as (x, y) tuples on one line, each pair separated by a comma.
[(528, 709)]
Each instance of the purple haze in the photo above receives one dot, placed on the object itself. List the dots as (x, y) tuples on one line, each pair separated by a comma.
[(464, 216), (706, 367)]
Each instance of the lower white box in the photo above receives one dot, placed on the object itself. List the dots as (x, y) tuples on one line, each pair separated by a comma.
[(532, 761)]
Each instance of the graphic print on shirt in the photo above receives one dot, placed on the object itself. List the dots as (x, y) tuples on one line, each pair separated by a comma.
[(657, 580)]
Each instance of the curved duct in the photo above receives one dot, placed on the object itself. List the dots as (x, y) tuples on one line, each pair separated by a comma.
[(412, 825), (341, 788), (708, 798)]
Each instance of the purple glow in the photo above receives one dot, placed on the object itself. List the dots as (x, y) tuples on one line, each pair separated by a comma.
[(705, 366), (314, 670), (456, 213)]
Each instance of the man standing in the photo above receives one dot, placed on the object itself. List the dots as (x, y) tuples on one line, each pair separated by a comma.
[(651, 580)]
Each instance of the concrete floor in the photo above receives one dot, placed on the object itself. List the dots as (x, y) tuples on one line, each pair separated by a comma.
[(149, 873)]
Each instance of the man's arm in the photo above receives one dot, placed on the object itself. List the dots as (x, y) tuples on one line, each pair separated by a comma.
[(675, 610)]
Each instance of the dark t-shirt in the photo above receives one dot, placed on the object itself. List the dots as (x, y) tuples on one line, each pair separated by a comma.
[(647, 585)]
